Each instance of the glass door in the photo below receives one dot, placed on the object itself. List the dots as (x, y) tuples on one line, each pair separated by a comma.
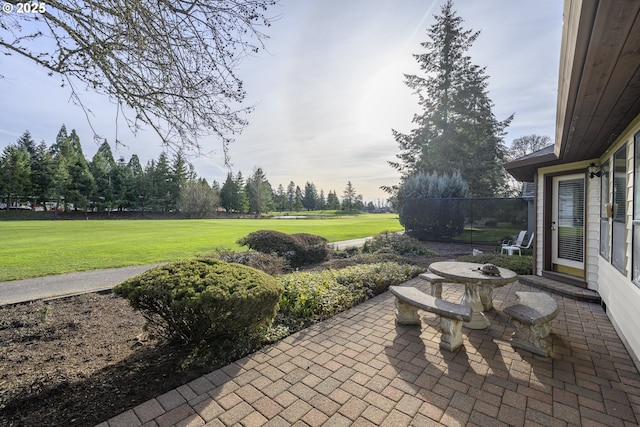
[(567, 225)]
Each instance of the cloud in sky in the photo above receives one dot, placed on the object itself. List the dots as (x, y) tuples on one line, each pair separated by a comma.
[(328, 89)]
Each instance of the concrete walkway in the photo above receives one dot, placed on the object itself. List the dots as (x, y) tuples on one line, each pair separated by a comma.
[(17, 291), (361, 369), (345, 244)]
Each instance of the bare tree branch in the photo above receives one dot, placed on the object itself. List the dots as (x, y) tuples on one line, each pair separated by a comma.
[(172, 62)]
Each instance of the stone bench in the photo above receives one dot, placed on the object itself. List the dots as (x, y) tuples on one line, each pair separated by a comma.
[(409, 300), (436, 283), (531, 319)]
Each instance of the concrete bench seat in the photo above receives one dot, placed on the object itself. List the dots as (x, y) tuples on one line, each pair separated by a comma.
[(409, 300), (531, 319), (436, 283)]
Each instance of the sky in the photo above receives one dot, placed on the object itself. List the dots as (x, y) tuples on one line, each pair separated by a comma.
[(327, 90)]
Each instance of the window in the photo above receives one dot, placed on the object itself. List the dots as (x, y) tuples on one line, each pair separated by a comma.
[(636, 211), (604, 205), (618, 208)]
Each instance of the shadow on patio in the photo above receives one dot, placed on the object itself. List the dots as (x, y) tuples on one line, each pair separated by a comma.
[(360, 368)]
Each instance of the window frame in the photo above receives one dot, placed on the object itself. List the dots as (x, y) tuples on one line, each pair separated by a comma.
[(635, 223), (605, 225), (619, 210)]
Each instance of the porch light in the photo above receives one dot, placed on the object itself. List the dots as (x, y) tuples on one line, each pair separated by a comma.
[(594, 171)]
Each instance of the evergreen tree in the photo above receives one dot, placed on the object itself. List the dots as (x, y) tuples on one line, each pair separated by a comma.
[(74, 181), (61, 147), (61, 152), (81, 185), (228, 193), (105, 151), (259, 193), (42, 174), (291, 196), (120, 181), (15, 174), (28, 146), (233, 195), (457, 130), (242, 201), (333, 203), (179, 175), (321, 203), (349, 198), (161, 183), (297, 203), (26, 142), (280, 198), (147, 189), (310, 196), (136, 184), (101, 167)]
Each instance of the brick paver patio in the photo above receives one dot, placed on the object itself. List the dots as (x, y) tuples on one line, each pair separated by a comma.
[(359, 368)]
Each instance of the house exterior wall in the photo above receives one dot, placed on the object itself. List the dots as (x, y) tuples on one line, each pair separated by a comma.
[(617, 290), (592, 232), (619, 293)]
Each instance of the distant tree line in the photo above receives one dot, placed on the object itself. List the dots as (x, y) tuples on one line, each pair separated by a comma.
[(256, 196), (60, 177)]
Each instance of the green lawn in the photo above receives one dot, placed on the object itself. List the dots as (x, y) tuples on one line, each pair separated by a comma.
[(40, 248)]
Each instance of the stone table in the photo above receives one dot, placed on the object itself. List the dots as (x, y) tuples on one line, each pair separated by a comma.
[(478, 292)]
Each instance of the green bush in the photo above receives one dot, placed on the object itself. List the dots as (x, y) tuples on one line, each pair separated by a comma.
[(298, 249), (318, 295), (397, 243), (270, 264), (522, 265), (203, 299)]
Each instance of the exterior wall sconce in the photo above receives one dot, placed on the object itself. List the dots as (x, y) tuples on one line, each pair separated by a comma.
[(594, 171)]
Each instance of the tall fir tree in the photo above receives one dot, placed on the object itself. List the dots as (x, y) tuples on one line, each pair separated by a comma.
[(291, 195), (310, 196), (81, 187), (42, 174), (101, 166), (242, 200), (280, 198), (333, 203), (259, 193), (162, 182), (15, 175), (227, 193), (297, 203), (457, 130)]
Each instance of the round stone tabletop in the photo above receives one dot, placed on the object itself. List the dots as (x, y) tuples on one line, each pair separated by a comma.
[(469, 272)]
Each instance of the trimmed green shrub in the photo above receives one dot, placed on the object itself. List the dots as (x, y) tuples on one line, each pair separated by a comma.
[(522, 265), (398, 243), (270, 264), (298, 249), (318, 295), (203, 299)]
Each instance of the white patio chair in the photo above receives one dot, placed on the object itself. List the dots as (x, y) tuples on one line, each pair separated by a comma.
[(511, 248), (517, 242)]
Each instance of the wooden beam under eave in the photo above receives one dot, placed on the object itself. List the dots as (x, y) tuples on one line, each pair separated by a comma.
[(610, 69)]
